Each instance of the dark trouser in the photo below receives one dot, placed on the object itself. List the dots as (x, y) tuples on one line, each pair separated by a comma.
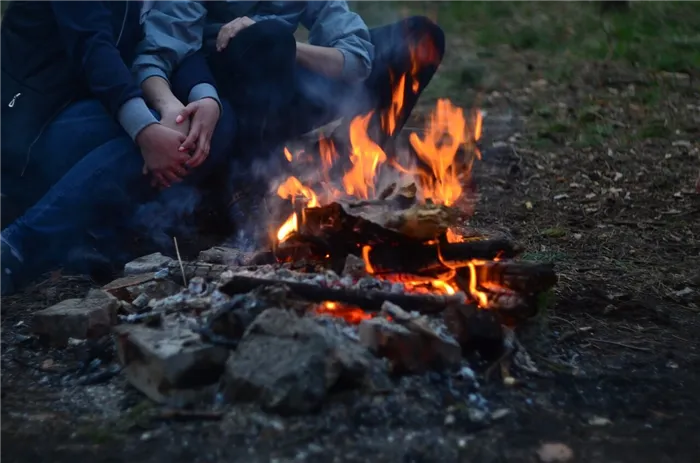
[(85, 185), (276, 99)]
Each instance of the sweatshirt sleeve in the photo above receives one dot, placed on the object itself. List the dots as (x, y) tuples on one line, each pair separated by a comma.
[(173, 31), (86, 30), (193, 80), (332, 24)]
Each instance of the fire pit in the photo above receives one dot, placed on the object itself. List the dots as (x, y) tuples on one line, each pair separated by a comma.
[(371, 269)]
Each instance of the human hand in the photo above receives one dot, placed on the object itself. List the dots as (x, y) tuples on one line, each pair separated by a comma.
[(202, 115), (160, 148), (169, 114), (229, 31)]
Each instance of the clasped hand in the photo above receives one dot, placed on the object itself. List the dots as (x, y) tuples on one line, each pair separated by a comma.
[(180, 142)]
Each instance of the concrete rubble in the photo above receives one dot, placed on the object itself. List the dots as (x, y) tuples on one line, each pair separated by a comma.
[(147, 264), (289, 364), (182, 345), (171, 366), (91, 317)]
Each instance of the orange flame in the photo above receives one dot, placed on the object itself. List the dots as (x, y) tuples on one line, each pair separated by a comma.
[(446, 132), (391, 117), (480, 296), (290, 189), (287, 154), (366, 157)]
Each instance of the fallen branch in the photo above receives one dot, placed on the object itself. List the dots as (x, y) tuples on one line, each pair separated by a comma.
[(367, 300)]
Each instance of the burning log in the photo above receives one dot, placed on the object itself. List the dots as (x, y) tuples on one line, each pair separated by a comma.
[(379, 220), (430, 259), (521, 277), (368, 300)]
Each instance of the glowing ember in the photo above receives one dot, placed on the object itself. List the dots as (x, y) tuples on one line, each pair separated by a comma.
[(352, 315), (287, 154)]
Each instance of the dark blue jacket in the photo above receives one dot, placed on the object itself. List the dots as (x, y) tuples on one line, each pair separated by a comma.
[(56, 52)]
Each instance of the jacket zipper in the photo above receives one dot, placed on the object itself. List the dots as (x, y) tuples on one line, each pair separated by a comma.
[(65, 105)]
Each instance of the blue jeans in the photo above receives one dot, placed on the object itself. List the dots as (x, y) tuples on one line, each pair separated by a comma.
[(85, 180)]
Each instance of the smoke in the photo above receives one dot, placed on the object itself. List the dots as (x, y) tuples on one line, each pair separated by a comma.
[(170, 214)]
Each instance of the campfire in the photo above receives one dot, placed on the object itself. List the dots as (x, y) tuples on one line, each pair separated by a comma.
[(401, 217), (371, 268)]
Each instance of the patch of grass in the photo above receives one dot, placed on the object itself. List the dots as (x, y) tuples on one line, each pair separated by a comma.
[(554, 232), (651, 35)]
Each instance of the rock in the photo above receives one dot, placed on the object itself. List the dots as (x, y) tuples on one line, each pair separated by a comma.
[(354, 267), (409, 342), (288, 364), (225, 256), (131, 287), (555, 452), (91, 317), (478, 331), (409, 350), (172, 366), (147, 264)]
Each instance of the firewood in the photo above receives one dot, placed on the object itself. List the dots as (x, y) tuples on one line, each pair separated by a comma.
[(430, 259), (380, 220), (521, 277), (367, 300)]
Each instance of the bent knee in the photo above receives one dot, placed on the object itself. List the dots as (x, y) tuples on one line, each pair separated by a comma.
[(271, 38), (428, 34), (225, 132)]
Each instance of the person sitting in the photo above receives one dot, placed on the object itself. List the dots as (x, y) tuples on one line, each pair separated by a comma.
[(78, 135), (281, 88)]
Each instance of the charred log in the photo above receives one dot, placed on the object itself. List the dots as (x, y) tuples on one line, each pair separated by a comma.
[(521, 277), (367, 300)]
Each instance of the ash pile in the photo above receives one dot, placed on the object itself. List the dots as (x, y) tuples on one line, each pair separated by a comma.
[(227, 328)]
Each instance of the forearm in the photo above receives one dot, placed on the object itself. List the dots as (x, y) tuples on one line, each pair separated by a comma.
[(324, 60), (158, 94)]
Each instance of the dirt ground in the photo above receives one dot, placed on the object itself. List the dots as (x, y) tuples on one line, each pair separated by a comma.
[(590, 162)]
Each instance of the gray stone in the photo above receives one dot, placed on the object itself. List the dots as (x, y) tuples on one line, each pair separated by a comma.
[(91, 317), (354, 267), (147, 264), (288, 364), (408, 342), (172, 366)]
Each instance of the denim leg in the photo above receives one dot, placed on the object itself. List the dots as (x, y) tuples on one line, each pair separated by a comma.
[(99, 189), (80, 128)]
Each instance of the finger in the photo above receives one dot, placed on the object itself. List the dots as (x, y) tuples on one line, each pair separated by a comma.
[(187, 112), (190, 142), (160, 180), (223, 38), (236, 28), (201, 154), (171, 177)]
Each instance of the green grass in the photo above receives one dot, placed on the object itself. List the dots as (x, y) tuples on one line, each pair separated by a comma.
[(652, 35)]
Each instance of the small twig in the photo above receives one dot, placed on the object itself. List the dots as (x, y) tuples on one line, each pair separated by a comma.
[(182, 267), (641, 349)]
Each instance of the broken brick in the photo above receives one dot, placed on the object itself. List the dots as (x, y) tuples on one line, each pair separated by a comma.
[(130, 287), (408, 342), (91, 317), (147, 264), (289, 364), (172, 366)]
